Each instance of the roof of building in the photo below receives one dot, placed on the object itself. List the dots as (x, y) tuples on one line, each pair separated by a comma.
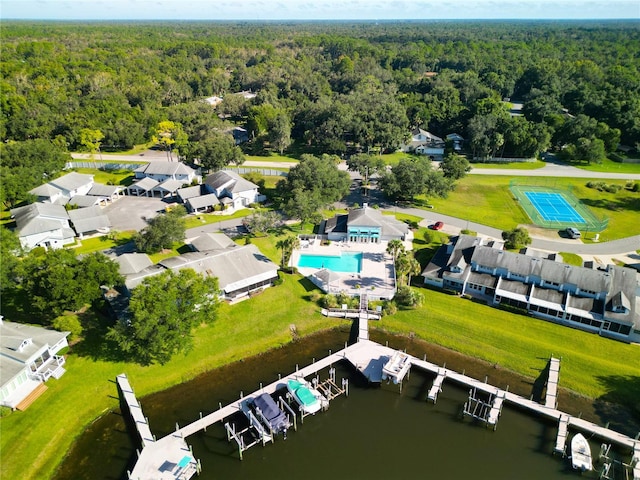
[(85, 200), (132, 262), (366, 217), (146, 184), (203, 201), (89, 219), (212, 241), (47, 190), (72, 181), (189, 192), (230, 266), (102, 190), (16, 350), (165, 168), (39, 218), (171, 185), (230, 181)]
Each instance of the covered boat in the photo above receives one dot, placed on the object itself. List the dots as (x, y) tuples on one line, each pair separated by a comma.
[(580, 453), (269, 412), (309, 399)]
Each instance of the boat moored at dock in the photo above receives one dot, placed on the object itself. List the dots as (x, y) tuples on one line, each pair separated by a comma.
[(268, 411), (580, 453), (397, 367), (308, 398)]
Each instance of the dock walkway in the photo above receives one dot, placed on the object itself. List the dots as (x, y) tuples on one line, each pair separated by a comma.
[(551, 399), (135, 410)]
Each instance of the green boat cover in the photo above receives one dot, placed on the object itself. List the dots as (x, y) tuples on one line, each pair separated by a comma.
[(303, 393)]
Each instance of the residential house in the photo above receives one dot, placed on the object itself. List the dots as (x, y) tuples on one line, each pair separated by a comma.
[(364, 225), (232, 190), (61, 189), (143, 187), (89, 220), (457, 141), (425, 143), (28, 358), (599, 301), (43, 225), (240, 270), (161, 171)]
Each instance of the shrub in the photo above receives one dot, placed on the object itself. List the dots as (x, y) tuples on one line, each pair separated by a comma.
[(466, 231), (5, 411), (613, 188), (68, 323), (389, 308)]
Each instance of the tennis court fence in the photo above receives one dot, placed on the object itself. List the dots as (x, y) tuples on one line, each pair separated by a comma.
[(591, 222)]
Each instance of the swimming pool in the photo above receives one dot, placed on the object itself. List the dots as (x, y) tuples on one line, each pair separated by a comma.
[(347, 262)]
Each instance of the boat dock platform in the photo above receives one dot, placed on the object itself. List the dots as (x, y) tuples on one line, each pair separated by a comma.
[(178, 462), (561, 438), (551, 399), (436, 388), (369, 358)]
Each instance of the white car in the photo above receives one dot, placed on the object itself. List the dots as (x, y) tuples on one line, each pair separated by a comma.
[(573, 232)]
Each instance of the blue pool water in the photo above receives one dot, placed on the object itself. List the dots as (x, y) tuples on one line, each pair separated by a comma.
[(554, 207), (347, 262)]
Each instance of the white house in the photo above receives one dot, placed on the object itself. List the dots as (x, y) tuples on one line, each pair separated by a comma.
[(237, 191), (61, 189), (28, 358), (161, 171), (43, 225), (425, 143), (599, 301), (89, 220)]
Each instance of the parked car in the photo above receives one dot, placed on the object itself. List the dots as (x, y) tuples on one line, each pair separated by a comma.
[(573, 232), (437, 226)]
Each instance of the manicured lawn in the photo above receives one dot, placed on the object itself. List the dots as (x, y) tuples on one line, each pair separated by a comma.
[(611, 166), (514, 341), (36, 440), (488, 200), (571, 259), (123, 178), (511, 165), (273, 157)]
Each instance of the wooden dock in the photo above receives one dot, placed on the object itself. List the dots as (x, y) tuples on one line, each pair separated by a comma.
[(135, 410), (551, 399), (369, 358), (436, 388)]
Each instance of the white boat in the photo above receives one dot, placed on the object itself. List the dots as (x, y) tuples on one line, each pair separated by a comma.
[(580, 453), (309, 399), (396, 367)]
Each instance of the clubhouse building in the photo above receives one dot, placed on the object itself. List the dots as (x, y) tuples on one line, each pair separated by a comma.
[(602, 301)]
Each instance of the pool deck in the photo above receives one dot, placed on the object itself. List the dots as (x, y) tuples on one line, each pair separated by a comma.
[(377, 277)]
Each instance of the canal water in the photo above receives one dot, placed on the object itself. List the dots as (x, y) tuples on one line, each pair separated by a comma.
[(374, 433)]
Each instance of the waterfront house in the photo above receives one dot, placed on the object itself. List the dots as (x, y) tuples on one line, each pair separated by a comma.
[(28, 358), (599, 301), (364, 225)]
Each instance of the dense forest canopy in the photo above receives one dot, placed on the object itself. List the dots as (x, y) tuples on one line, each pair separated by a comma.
[(325, 86)]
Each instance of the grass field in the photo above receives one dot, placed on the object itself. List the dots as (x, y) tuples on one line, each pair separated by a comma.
[(36, 439), (510, 166), (488, 201), (611, 166)]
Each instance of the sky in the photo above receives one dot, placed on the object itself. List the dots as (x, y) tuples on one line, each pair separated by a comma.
[(317, 9)]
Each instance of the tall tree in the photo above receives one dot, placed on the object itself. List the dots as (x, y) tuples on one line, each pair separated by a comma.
[(163, 311), (170, 136), (162, 232), (280, 132), (455, 166), (10, 251), (90, 139), (412, 177)]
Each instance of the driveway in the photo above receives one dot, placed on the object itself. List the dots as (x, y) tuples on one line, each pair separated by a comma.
[(130, 212)]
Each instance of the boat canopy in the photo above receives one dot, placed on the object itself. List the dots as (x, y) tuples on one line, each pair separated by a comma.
[(276, 417)]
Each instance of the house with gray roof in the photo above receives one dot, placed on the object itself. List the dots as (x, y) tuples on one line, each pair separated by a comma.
[(61, 189), (43, 225), (143, 188), (364, 225), (425, 143), (232, 190), (605, 302), (241, 270), (161, 171), (28, 358), (89, 220)]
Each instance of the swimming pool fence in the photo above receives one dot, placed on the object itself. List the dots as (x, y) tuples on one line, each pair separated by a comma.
[(591, 222)]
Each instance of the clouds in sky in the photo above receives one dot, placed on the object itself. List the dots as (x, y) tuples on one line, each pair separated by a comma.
[(317, 9)]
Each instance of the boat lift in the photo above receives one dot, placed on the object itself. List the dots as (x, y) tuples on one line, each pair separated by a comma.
[(487, 411)]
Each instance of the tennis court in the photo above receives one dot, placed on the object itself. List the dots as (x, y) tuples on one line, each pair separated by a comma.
[(553, 207)]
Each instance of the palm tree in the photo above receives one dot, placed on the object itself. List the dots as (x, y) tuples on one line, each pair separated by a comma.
[(394, 248)]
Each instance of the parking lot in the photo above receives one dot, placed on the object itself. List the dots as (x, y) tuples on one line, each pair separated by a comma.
[(130, 212)]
